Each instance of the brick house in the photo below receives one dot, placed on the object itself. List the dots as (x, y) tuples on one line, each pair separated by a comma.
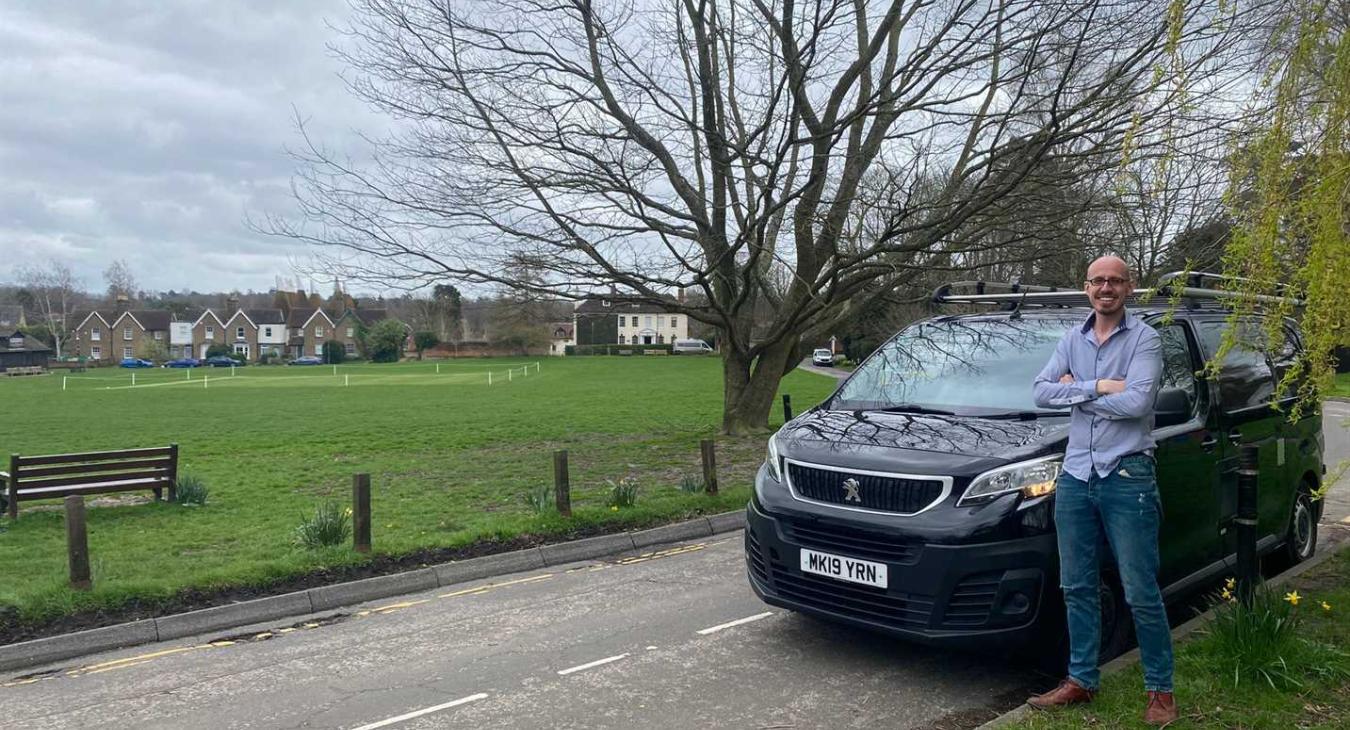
[(307, 329), (105, 336), (207, 330)]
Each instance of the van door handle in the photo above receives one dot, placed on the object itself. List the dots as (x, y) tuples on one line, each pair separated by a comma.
[(1235, 437)]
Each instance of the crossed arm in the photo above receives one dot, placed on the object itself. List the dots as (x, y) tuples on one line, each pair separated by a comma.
[(1132, 397)]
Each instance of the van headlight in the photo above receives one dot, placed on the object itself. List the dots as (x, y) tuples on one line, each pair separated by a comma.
[(772, 460), (1032, 478)]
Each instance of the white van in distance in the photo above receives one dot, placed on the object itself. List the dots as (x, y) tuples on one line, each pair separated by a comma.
[(690, 347)]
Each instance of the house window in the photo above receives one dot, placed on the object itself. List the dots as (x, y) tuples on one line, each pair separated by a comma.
[(675, 322), (239, 333), (126, 334), (96, 352), (267, 331), (351, 348), (604, 302), (210, 332), (649, 320), (621, 324), (95, 334), (126, 352), (621, 342), (660, 339), (318, 350), (159, 334), (350, 333), (318, 332)]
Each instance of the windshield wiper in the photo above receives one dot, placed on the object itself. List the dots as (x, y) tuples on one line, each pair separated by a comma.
[(1023, 415), (911, 408)]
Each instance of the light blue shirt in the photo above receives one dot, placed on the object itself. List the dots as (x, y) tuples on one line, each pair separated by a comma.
[(1103, 428)]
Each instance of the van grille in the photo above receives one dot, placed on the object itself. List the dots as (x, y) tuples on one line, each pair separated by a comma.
[(856, 543), (882, 493), (972, 600), (858, 601)]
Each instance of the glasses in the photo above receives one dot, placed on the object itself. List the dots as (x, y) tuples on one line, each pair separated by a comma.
[(1112, 280)]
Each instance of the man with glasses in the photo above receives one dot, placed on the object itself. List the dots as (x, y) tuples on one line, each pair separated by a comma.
[(1107, 371)]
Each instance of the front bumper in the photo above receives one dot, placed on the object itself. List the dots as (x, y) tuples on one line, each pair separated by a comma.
[(960, 596)]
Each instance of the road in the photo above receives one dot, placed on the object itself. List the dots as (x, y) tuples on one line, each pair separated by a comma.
[(671, 639)]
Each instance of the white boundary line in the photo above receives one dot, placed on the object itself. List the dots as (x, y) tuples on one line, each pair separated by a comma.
[(589, 665), (425, 711), (737, 622)]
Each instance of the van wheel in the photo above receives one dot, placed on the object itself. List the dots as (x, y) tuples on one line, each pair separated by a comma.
[(1116, 623), (1301, 541)]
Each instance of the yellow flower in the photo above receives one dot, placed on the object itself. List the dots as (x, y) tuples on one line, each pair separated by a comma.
[(614, 508), (1230, 584), (1326, 606), (1293, 598), (1227, 595)]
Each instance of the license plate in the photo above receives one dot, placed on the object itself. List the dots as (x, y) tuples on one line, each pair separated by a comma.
[(841, 568)]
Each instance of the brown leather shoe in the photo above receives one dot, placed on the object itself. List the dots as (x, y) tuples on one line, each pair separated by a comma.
[(1161, 710), (1067, 693)]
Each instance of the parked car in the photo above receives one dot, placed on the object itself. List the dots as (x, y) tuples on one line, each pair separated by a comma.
[(307, 360), (822, 356), (183, 362), (690, 347), (918, 499), (224, 361), (136, 362)]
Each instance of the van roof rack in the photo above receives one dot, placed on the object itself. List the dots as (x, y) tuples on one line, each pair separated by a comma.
[(1190, 286)]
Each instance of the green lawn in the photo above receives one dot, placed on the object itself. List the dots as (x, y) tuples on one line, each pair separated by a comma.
[(1341, 387), (450, 459), (1206, 696)]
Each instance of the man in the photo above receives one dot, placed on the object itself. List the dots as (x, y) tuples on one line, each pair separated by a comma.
[(1107, 371)]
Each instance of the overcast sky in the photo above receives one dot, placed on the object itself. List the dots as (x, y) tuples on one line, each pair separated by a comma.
[(149, 131)]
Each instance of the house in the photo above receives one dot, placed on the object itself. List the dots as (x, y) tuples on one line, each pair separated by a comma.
[(18, 351), (109, 336), (307, 329), (207, 330), (560, 337), (11, 317), (348, 325), (614, 320)]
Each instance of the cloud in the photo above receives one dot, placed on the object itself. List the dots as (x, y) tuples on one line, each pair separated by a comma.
[(151, 131)]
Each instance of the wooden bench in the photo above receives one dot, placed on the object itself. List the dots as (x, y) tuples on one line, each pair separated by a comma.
[(26, 370), (95, 472)]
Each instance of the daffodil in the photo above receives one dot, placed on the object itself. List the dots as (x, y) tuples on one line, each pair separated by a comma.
[(614, 508), (1230, 584), (1326, 606), (1293, 598), (1226, 595)]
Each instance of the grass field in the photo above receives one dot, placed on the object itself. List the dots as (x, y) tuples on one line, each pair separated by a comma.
[(450, 459), (1341, 387)]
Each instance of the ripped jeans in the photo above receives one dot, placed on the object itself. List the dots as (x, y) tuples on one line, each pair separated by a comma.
[(1124, 507)]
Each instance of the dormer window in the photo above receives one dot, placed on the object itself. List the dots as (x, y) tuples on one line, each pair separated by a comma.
[(604, 302), (16, 342)]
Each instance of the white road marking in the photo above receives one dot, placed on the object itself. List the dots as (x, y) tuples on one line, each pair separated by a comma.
[(426, 711), (589, 665), (737, 622)]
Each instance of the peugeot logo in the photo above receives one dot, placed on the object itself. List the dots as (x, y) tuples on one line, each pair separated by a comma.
[(850, 486)]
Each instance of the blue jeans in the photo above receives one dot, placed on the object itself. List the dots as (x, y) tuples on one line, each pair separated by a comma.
[(1123, 506)]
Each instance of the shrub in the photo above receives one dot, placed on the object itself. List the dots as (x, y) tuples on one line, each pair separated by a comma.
[(334, 352), (328, 527), (691, 484), (540, 499), (384, 340), (624, 493), (191, 490), (219, 349)]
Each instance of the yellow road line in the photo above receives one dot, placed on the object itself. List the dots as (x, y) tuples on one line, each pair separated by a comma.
[(397, 606), (490, 586)]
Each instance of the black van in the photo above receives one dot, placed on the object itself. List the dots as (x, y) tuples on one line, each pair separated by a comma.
[(917, 500)]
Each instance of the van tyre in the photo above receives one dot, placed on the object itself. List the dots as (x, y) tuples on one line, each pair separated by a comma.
[(1052, 649), (1300, 542)]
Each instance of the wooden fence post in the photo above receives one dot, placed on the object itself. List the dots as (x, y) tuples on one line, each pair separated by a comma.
[(707, 448), (562, 486), (77, 544), (361, 512)]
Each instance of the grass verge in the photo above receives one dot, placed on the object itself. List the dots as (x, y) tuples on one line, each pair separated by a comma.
[(1206, 695), (452, 461)]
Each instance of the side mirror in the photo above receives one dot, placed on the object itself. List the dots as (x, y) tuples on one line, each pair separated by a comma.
[(1172, 407)]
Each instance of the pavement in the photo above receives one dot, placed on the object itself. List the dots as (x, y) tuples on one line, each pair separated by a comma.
[(664, 636)]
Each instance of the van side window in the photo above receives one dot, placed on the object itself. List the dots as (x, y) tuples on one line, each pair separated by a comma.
[(1244, 376), (1178, 365)]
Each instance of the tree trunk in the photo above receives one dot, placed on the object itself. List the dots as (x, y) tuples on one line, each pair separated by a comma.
[(749, 387)]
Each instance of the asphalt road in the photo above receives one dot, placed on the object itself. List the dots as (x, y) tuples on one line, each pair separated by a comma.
[(672, 639)]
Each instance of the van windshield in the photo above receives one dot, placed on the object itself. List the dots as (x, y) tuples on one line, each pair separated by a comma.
[(968, 367)]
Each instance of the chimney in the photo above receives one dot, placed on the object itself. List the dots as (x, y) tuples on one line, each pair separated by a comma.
[(122, 303), (232, 304), (680, 296)]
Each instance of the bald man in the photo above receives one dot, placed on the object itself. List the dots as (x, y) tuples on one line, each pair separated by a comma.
[(1107, 371)]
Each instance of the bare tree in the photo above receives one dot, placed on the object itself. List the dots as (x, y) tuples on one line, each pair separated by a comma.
[(120, 281), (721, 145), (55, 293)]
